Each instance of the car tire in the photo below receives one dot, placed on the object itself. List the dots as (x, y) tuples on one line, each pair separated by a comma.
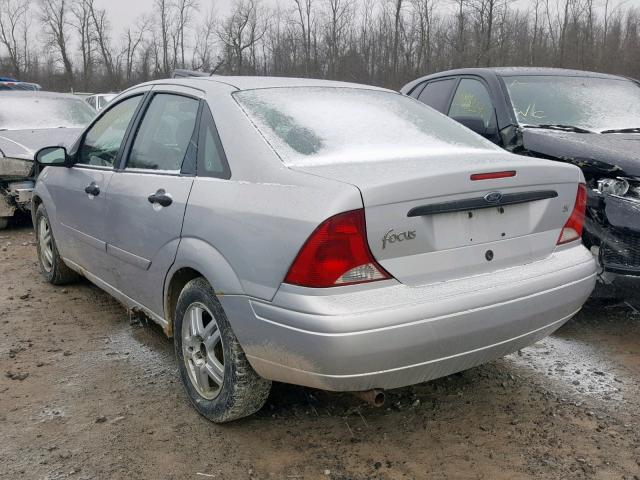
[(4, 222), (51, 264), (214, 370)]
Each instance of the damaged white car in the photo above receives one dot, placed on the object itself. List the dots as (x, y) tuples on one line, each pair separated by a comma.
[(30, 120)]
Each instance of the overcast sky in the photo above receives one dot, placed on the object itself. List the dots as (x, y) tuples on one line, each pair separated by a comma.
[(123, 13)]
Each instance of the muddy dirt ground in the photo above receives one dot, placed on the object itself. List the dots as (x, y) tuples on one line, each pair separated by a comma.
[(86, 393)]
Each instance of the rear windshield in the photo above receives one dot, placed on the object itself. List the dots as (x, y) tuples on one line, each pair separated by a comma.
[(20, 112), (318, 124)]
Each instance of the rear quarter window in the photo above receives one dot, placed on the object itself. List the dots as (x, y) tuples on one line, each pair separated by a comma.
[(437, 93)]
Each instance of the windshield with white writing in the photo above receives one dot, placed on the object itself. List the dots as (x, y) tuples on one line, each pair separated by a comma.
[(590, 103)]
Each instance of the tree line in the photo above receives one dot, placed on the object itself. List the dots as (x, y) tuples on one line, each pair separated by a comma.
[(71, 44)]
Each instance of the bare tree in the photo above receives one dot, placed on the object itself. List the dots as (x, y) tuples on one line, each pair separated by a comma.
[(241, 31), (397, 19), (133, 39), (185, 11), (384, 42), (460, 20), (425, 10), (163, 9), (485, 13), (205, 36), (55, 20), (340, 13), (102, 29), (14, 33), (306, 22), (83, 25)]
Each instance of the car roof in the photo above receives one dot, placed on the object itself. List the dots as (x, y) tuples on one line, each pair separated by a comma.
[(38, 94), (254, 82), (512, 71)]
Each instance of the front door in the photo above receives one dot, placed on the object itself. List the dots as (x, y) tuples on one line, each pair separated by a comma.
[(80, 192), (472, 101), (148, 197)]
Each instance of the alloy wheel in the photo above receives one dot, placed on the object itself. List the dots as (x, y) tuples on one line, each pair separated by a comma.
[(46, 244), (202, 350)]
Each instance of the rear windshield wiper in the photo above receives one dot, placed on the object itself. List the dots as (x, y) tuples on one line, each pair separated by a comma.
[(622, 130), (559, 126)]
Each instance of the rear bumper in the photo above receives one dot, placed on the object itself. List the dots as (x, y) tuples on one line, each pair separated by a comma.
[(393, 335)]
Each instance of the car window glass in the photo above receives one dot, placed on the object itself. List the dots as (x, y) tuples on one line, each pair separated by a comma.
[(472, 100), (164, 134), (583, 101), (307, 125), (102, 142), (36, 110), (436, 94), (212, 161)]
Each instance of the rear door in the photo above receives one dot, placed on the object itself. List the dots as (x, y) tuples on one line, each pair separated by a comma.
[(80, 192), (148, 195)]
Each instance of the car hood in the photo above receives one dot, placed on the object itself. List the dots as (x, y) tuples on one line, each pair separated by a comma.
[(616, 153), (24, 144)]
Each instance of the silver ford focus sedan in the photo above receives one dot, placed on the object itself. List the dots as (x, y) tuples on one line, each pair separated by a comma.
[(326, 234)]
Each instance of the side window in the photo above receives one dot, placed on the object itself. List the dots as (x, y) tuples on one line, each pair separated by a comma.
[(212, 161), (102, 142), (436, 94), (472, 100), (164, 134)]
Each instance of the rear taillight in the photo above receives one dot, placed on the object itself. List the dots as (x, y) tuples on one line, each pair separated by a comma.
[(572, 230), (336, 254)]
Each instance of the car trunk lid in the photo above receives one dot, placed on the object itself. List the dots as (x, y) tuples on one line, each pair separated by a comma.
[(428, 221)]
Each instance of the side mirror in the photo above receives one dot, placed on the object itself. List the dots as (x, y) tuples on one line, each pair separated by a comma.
[(473, 123), (52, 157)]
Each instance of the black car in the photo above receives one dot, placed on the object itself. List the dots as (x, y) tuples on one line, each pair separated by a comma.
[(589, 119)]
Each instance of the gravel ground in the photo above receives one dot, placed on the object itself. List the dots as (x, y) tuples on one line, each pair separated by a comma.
[(87, 393)]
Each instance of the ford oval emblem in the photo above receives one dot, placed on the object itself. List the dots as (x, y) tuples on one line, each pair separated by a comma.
[(493, 197)]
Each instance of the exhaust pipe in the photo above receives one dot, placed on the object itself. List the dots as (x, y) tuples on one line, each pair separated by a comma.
[(375, 397)]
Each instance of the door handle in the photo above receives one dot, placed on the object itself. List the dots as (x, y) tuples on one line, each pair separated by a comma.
[(161, 198), (92, 189)]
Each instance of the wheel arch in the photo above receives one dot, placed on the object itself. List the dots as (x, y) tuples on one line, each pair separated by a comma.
[(41, 196), (196, 258), (36, 201)]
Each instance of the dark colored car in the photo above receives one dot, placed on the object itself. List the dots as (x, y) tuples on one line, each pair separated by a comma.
[(591, 120), (30, 120), (8, 83)]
